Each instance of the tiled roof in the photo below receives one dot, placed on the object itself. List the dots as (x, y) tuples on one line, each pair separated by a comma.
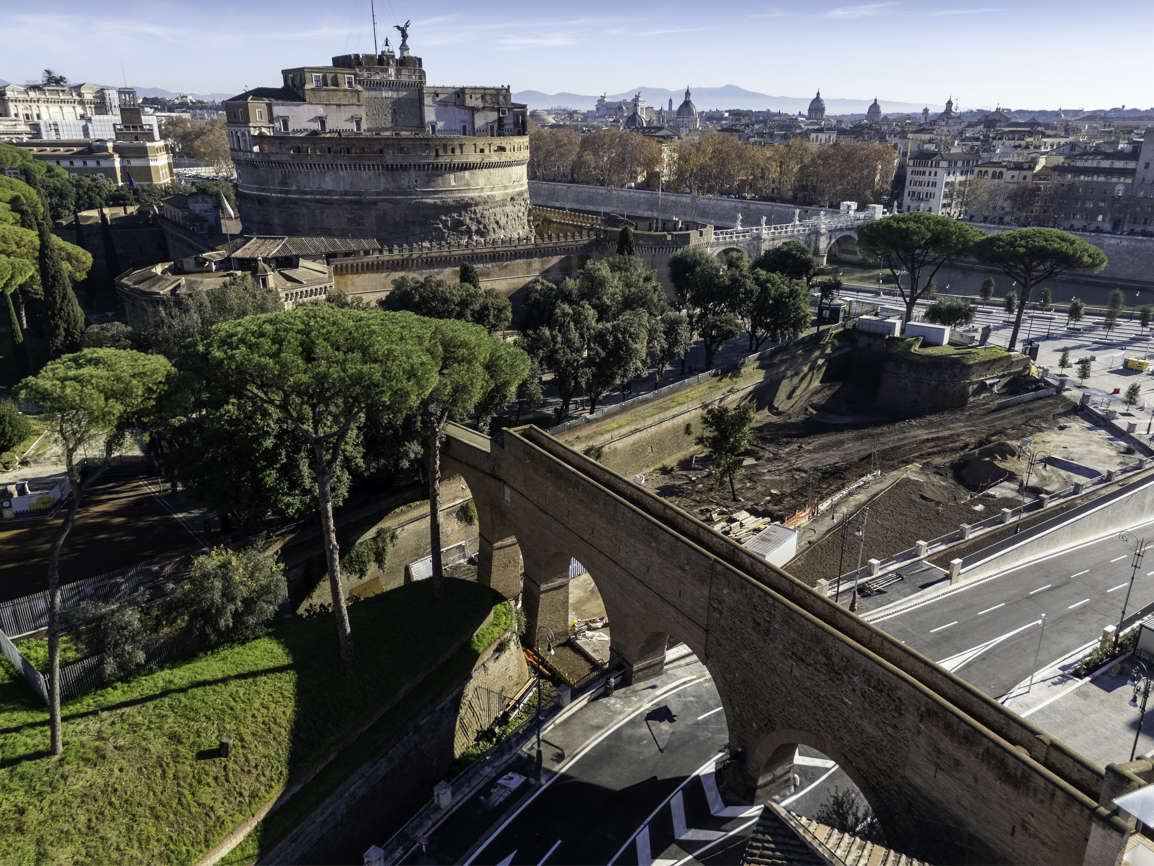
[(782, 838), (270, 247)]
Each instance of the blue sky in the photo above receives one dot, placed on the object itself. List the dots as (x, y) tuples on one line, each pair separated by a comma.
[(1022, 53)]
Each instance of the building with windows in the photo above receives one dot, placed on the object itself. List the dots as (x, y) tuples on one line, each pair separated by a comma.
[(31, 103), (938, 182), (134, 155), (364, 147)]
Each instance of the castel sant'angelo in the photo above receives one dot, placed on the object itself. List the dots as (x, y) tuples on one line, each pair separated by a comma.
[(365, 148)]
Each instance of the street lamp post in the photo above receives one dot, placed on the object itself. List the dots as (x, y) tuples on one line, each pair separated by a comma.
[(549, 640), (1140, 677), (1024, 445), (860, 548), (1135, 564), (841, 559), (1037, 652)]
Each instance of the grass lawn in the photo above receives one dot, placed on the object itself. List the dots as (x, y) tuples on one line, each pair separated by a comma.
[(139, 781)]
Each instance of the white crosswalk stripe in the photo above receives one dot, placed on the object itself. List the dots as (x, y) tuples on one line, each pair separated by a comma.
[(680, 830)]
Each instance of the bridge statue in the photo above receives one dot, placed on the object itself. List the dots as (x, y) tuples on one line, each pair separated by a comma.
[(738, 220)]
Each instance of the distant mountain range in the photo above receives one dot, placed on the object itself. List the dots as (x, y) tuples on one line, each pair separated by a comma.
[(710, 98)]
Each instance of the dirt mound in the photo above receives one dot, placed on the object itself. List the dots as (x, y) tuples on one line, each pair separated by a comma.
[(979, 469)]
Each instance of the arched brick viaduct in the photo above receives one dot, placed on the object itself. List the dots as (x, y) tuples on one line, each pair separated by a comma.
[(952, 775)]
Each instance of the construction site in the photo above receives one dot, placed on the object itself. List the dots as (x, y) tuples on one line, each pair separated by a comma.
[(824, 452)]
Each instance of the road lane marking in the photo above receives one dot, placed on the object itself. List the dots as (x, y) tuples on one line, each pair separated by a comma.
[(710, 713), (1119, 586), (1116, 558), (681, 830), (1039, 589), (940, 627), (697, 854), (1080, 573), (643, 828), (805, 791), (548, 853), (1149, 573), (956, 661), (508, 859), (988, 609), (1078, 604), (807, 761), (717, 806), (675, 686)]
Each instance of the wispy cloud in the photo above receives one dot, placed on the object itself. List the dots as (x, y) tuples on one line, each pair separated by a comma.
[(773, 13), (861, 10), (665, 31), (981, 11), (529, 41)]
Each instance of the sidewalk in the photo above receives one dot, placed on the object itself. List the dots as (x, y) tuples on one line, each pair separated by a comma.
[(1093, 716)]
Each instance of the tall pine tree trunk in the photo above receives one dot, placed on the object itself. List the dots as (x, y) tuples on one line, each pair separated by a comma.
[(1022, 301), (434, 475), (333, 555), (56, 725)]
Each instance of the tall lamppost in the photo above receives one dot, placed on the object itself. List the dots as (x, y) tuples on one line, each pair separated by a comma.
[(1135, 563), (1037, 652), (860, 532), (549, 640), (841, 559), (1033, 457), (1140, 679)]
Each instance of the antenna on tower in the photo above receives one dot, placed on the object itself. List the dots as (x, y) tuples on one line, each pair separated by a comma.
[(373, 9)]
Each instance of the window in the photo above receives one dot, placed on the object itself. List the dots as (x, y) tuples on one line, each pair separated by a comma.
[(464, 129), (283, 121), (260, 114), (349, 82), (318, 80), (356, 124)]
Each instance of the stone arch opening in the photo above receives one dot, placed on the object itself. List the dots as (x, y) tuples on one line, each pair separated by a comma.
[(476, 540), (804, 770), (844, 249), (725, 255)]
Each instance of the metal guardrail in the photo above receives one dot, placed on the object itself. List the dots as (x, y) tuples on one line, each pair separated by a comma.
[(941, 542)]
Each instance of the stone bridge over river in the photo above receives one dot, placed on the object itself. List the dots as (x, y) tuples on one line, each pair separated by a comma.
[(952, 775)]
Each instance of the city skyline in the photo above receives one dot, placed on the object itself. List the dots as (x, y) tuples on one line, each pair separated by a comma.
[(899, 44)]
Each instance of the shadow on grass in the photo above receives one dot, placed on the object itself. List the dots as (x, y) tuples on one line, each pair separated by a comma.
[(402, 694), (145, 699)]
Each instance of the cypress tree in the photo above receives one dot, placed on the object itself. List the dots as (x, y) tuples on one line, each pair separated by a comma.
[(469, 276), (65, 318), (625, 245)]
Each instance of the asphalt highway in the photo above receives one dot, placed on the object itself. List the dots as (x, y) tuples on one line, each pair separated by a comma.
[(989, 633)]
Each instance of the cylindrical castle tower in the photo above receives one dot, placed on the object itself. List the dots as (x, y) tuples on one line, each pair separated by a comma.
[(401, 188)]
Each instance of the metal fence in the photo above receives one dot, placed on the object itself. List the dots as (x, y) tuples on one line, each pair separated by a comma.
[(33, 677), (29, 613), (75, 678)]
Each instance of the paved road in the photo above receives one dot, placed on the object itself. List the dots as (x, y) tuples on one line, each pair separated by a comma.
[(617, 770), (988, 632)]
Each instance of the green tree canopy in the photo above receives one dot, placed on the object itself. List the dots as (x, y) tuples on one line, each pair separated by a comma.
[(476, 376), (727, 434), (90, 398), (1033, 255), (191, 315), (918, 243), (441, 299), (65, 318), (954, 312), (317, 373), (705, 291), (790, 259)]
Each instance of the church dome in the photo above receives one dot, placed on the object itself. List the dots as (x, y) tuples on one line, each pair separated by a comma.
[(874, 112), (816, 108), (687, 108)]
